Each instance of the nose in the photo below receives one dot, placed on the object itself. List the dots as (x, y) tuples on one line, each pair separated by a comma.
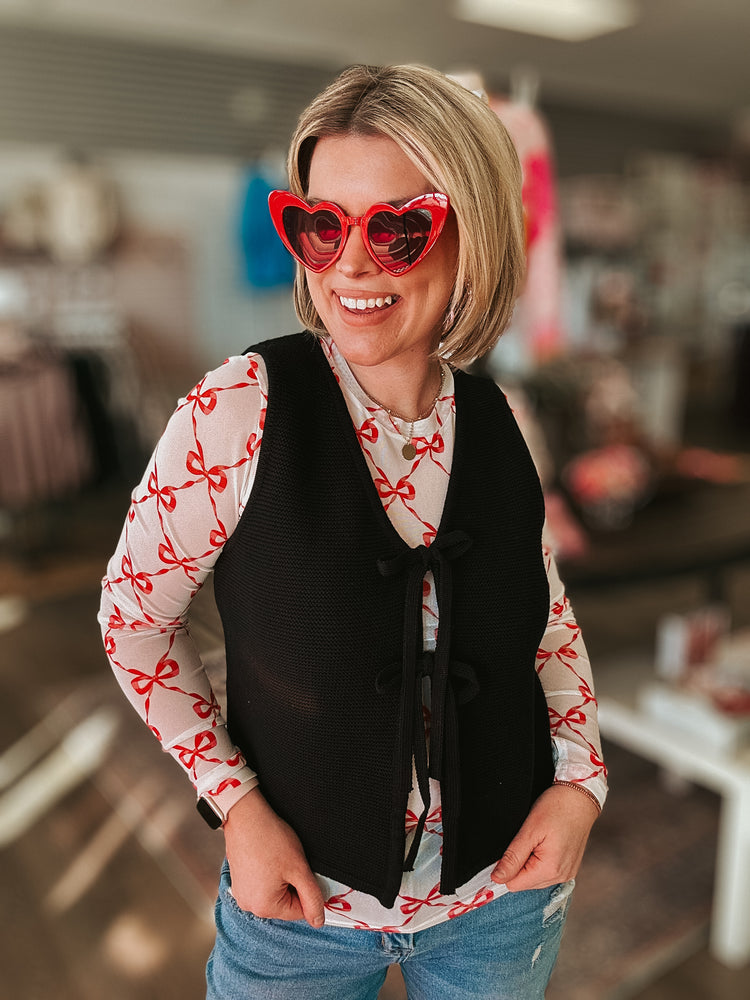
[(355, 259)]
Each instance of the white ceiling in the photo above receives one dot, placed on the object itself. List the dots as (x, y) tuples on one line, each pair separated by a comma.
[(685, 58)]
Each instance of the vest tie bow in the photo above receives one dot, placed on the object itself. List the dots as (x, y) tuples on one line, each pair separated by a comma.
[(453, 683)]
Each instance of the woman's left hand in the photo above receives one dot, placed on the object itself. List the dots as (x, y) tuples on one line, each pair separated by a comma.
[(549, 846)]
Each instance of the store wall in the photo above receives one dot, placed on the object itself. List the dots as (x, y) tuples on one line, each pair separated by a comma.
[(592, 140)]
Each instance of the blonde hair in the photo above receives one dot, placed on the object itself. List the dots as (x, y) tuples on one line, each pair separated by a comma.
[(463, 149)]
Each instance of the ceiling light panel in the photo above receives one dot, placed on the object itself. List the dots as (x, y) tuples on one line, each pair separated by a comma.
[(568, 20)]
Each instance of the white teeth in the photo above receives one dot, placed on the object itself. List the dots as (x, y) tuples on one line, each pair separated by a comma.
[(361, 304)]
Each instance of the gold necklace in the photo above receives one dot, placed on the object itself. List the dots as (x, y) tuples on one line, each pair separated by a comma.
[(408, 450)]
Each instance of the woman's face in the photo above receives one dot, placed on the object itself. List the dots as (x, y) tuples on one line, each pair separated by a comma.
[(355, 172)]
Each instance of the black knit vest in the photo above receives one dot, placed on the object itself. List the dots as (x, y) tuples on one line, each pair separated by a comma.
[(321, 599)]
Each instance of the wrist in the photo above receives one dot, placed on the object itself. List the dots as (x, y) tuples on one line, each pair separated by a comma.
[(247, 812), (576, 786), (215, 809)]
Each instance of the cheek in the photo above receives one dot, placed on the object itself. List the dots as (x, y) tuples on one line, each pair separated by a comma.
[(441, 287), (318, 296), (442, 262)]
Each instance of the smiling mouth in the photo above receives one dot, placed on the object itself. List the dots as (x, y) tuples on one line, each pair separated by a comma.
[(367, 305)]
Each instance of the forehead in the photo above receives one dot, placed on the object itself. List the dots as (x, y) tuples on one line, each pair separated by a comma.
[(355, 171)]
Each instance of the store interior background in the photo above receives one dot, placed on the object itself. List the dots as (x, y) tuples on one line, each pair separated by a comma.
[(634, 398)]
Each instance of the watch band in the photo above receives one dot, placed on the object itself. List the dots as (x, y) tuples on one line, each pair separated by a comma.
[(210, 812)]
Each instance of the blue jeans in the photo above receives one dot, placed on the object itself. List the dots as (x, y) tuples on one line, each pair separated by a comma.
[(505, 950)]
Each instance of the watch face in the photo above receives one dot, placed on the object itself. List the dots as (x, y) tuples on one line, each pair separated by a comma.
[(210, 813)]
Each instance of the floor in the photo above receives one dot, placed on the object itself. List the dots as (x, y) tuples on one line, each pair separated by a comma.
[(106, 878)]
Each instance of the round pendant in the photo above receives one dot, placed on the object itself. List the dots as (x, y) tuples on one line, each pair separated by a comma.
[(409, 451)]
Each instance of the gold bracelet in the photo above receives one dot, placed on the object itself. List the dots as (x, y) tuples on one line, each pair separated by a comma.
[(580, 788)]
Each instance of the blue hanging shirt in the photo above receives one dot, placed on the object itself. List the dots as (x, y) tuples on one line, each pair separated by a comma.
[(267, 263)]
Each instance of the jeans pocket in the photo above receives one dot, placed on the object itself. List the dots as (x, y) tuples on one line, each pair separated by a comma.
[(557, 903), (227, 897)]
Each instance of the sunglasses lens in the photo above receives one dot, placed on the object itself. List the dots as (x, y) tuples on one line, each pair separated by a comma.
[(398, 241), (314, 236)]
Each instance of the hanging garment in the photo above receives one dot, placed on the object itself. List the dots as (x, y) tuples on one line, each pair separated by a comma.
[(266, 263), (537, 318)]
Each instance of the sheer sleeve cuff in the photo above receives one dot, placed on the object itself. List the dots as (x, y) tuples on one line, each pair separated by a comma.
[(579, 767), (230, 793)]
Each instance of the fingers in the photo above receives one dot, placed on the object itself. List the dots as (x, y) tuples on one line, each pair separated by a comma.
[(533, 872), (519, 856), (276, 896), (520, 868), (270, 873), (284, 902), (310, 899), (549, 846), (507, 867)]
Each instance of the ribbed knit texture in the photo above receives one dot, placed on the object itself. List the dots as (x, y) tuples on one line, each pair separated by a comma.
[(313, 590)]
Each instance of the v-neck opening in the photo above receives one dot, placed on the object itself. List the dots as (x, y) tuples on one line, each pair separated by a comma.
[(350, 434)]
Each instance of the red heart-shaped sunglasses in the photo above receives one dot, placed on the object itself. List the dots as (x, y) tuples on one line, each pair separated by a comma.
[(396, 238)]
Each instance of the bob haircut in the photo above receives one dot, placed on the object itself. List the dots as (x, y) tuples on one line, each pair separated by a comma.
[(463, 149)]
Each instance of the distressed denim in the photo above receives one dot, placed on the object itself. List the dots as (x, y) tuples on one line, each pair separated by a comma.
[(505, 950)]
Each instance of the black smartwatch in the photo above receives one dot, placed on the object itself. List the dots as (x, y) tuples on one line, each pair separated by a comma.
[(210, 812)]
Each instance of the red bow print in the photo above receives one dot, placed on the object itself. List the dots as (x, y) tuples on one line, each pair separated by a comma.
[(483, 897), (597, 761), (434, 821), (139, 580), (215, 476), (206, 708), (226, 783), (542, 656), (165, 670), (559, 607), (206, 399), (339, 904), (412, 905), (165, 494), (168, 555), (116, 621), (564, 651), (190, 755), (573, 717), (368, 431), (586, 693), (403, 488), (567, 650), (252, 445), (435, 446)]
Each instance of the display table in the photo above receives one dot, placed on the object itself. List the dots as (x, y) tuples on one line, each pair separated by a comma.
[(681, 754), (701, 531)]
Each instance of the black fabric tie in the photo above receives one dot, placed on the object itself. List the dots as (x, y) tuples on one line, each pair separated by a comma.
[(416, 664)]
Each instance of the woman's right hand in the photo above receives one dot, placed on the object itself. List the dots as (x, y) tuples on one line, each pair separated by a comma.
[(270, 874)]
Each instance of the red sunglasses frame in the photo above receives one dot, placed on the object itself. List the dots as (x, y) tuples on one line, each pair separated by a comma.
[(438, 205)]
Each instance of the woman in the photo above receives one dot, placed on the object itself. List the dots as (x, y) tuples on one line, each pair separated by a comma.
[(371, 772)]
